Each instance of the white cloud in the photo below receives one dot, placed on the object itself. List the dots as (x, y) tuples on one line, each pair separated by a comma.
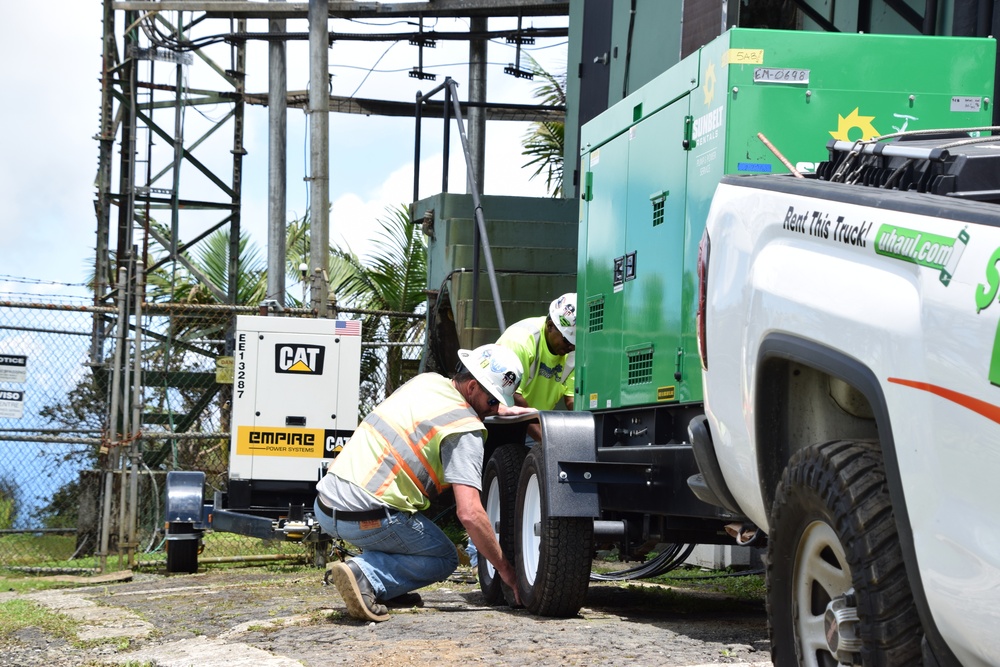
[(49, 116)]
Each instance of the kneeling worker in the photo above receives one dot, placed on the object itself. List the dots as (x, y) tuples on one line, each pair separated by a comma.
[(428, 435), (545, 346)]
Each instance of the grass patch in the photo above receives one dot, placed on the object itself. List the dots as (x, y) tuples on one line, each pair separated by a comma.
[(119, 643), (16, 615), (27, 584), (51, 554), (26, 549), (729, 582)]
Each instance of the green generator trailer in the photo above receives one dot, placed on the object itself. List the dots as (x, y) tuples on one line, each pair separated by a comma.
[(651, 164), (620, 470)]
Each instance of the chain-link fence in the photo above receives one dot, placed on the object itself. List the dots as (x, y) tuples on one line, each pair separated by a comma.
[(85, 446)]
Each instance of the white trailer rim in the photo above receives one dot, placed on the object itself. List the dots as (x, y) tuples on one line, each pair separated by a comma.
[(531, 516), (493, 513)]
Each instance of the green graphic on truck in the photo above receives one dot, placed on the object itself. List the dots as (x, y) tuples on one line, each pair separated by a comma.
[(922, 248), (986, 295)]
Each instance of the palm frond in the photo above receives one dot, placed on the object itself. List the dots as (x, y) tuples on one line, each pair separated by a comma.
[(544, 142)]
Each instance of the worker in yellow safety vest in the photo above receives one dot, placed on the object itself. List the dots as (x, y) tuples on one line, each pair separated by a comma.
[(425, 437), (546, 347)]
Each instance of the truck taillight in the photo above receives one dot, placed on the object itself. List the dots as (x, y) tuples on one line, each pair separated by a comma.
[(704, 250)]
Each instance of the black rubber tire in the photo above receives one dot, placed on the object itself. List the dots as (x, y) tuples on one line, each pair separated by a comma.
[(182, 555), (553, 567), (833, 529), (499, 496)]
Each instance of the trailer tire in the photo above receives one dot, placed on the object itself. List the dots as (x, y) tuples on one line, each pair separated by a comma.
[(182, 554), (836, 582), (553, 565), (499, 496)]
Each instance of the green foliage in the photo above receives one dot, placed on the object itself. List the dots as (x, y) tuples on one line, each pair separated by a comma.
[(391, 278), (749, 587), (19, 614), (27, 584), (545, 141), (175, 283), (28, 549), (85, 407), (10, 502)]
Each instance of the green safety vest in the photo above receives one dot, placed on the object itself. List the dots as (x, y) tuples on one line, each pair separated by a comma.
[(395, 454), (547, 378)]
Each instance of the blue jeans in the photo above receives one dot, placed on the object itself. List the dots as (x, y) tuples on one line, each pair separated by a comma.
[(403, 553)]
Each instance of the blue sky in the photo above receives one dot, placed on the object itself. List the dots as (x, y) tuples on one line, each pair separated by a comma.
[(51, 113)]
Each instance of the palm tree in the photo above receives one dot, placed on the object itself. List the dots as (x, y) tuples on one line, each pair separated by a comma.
[(210, 260), (391, 278), (545, 141)]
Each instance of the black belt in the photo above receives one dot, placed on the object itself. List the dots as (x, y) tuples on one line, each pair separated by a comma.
[(367, 515)]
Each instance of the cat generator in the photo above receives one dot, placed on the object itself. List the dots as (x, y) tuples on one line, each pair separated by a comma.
[(295, 393)]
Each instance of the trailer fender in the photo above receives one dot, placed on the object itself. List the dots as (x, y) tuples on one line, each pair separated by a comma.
[(185, 490), (568, 437)]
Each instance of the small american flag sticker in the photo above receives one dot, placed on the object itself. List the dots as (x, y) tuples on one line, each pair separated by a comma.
[(348, 327)]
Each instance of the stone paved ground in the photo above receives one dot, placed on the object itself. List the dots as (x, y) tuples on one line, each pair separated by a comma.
[(257, 617)]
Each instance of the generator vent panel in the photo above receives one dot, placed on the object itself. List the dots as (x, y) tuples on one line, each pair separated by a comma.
[(640, 365), (659, 204), (595, 321)]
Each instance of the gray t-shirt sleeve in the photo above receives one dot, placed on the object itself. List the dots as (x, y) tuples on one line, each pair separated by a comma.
[(462, 459)]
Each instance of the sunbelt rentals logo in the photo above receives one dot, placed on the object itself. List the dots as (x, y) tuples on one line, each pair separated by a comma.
[(849, 127), (706, 126), (295, 358)]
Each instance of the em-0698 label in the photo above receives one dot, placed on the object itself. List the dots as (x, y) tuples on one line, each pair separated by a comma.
[(780, 75)]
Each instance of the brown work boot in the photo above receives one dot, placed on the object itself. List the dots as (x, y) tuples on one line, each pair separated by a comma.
[(357, 592)]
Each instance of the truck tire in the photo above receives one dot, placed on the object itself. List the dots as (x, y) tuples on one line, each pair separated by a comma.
[(834, 566), (499, 497), (554, 554)]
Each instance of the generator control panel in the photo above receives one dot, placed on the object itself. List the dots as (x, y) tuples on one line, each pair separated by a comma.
[(295, 396)]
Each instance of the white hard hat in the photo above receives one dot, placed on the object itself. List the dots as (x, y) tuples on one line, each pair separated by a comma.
[(497, 368), (562, 312)]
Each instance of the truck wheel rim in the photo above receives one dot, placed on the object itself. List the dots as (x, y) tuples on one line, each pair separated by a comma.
[(531, 515), (493, 512), (821, 575)]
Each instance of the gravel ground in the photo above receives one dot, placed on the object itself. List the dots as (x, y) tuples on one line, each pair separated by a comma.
[(271, 618)]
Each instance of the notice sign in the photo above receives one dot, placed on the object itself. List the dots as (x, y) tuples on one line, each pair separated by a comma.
[(13, 367), (11, 403)]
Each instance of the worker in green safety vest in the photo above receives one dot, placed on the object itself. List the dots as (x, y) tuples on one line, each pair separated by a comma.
[(546, 347)]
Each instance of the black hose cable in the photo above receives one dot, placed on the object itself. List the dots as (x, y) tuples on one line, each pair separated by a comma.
[(628, 51), (663, 563)]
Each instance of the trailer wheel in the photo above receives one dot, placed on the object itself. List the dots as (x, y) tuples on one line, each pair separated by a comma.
[(182, 548), (499, 497), (554, 554), (837, 591)]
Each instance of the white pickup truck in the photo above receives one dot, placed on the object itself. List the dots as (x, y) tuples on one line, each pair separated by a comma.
[(848, 325)]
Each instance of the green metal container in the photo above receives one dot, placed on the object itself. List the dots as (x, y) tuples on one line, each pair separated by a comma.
[(651, 164)]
